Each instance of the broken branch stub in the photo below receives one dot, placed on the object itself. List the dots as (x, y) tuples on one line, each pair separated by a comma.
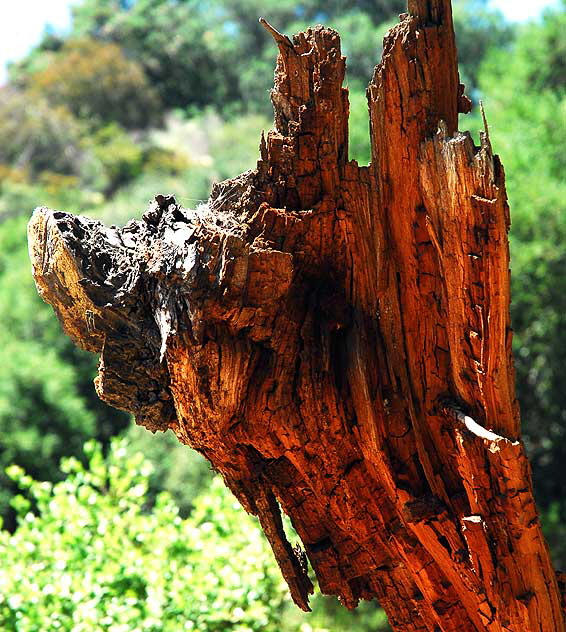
[(335, 339)]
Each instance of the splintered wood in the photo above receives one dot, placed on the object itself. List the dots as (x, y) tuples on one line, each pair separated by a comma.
[(335, 339)]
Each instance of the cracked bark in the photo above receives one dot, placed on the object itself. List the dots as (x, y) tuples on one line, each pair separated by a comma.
[(335, 339)]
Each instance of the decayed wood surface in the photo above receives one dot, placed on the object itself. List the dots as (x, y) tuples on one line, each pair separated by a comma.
[(335, 339)]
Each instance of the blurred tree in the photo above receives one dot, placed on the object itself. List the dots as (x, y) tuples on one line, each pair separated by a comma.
[(97, 83), (546, 53), (199, 53), (379, 11), (120, 157), (173, 41), (362, 43), (36, 135), (479, 29), (38, 58)]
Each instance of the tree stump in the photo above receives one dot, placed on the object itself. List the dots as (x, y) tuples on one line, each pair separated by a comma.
[(335, 339)]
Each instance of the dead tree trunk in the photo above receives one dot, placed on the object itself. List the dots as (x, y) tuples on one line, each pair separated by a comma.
[(335, 339)]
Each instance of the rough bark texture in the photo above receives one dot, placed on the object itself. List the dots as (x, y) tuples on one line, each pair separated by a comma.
[(335, 339)]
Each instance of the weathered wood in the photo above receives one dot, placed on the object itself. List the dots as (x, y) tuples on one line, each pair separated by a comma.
[(335, 339)]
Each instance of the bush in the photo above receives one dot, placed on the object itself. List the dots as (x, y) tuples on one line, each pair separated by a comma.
[(95, 557), (95, 552), (176, 469)]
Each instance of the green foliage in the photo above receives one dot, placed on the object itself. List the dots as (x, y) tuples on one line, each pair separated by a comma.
[(544, 52), (21, 195), (243, 133), (47, 155), (98, 551), (37, 135), (329, 615), (185, 59), (176, 469), (479, 29), (359, 145), (119, 158), (95, 557), (527, 114), (217, 53), (97, 83), (185, 158), (361, 43), (48, 407)]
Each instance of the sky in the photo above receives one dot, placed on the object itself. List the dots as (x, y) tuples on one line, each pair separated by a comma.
[(22, 22)]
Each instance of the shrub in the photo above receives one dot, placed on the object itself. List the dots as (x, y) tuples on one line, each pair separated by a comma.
[(95, 557)]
